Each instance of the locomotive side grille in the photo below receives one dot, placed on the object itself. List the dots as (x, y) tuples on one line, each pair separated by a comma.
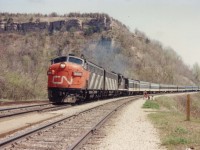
[(116, 85), (100, 83), (111, 84), (106, 83), (91, 80), (95, 81)]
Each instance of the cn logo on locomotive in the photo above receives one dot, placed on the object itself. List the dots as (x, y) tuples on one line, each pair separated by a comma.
[(61, 79)]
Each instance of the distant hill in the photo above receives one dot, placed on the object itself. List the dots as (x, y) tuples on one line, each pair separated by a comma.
[(29, 41)]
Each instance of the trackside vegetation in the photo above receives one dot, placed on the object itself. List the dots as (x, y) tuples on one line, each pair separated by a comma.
[(170, 119), (151, 104)]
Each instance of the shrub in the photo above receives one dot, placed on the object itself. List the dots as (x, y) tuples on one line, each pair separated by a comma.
[(151, 104)]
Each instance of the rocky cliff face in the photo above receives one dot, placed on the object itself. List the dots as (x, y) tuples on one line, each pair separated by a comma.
[(97, 24)]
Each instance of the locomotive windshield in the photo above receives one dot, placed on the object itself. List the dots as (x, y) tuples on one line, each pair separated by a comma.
[(59, 60), (67, 59), (75, 60)]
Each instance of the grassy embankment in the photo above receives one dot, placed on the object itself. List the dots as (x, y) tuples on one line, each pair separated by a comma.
[(170, 119)]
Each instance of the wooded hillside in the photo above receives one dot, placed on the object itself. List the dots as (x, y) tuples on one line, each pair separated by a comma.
[(25, 54)]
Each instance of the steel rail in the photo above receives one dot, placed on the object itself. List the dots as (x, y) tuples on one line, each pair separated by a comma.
[(8, 141), (81, 140), (34, 110), (21, 107)]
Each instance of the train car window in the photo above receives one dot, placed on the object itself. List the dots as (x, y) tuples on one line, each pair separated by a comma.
[(75, 60), (58, 60)]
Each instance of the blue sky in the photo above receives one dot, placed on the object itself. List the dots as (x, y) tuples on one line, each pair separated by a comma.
[(175, 23)]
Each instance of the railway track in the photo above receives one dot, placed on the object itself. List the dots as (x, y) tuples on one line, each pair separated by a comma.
[(65, 132), (9, 112)]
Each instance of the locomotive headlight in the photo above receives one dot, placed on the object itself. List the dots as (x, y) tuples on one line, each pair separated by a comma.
[(62, 65), (78, 74)]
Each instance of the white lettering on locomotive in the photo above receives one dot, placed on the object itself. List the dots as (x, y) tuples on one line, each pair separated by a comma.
[(62, 78)]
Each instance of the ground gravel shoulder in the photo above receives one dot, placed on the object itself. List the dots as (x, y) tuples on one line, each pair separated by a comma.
[(131, 130)]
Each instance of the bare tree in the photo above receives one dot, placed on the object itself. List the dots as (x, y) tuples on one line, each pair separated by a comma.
[(196, 71)]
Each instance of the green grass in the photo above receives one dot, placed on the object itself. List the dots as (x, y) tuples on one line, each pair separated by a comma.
[(151, 104), (180, 130), (166, 102), (173, 140), (175, 131)]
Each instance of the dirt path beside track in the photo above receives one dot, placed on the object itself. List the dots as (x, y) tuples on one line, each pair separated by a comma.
[(130, 129)]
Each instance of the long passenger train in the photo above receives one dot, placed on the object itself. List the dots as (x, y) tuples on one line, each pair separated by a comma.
[(73, 79)]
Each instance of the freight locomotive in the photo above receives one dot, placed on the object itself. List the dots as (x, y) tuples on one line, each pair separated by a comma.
[(74, 79)]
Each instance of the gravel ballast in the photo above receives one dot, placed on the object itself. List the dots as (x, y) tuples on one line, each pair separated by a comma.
[(129, 129)]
